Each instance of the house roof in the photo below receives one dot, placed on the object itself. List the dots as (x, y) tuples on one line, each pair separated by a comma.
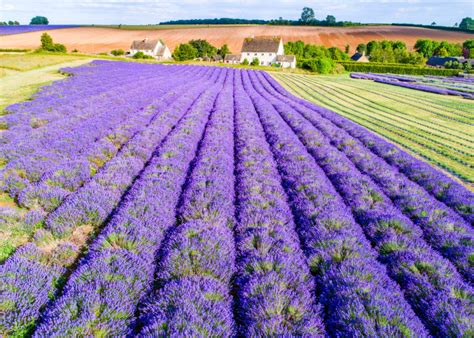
[(217, 57), (232, 57), (359, 57), (259, 44), (285, 58), (441, 60), (145, 44)]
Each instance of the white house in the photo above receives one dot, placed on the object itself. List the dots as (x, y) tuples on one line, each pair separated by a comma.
[(266, 49), (286, 61), (155, 48), (232, 58)]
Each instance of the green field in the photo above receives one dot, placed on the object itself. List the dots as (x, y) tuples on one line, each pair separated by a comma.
[(435, 127)]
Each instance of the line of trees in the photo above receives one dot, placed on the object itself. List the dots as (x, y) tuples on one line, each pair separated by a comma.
[(9, 23), (388, 51), (198, 49), (307, 19)]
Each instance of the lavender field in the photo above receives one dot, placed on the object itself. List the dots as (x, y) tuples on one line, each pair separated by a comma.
[(8, 30), (171, 200)]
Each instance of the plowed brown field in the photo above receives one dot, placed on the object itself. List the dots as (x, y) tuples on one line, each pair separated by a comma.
[(95, 39)]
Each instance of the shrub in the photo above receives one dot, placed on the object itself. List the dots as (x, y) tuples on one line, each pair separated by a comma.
[(117, 52), (48, 45), (245, 62), (255, 62), (396, 69), (140, 55), (321, 65)]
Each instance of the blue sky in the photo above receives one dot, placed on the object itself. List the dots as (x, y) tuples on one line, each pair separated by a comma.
[(154, 11)]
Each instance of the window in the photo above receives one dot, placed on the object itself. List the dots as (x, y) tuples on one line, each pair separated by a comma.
[(263, 54), (270, 54), (262, 63), (255, 54)]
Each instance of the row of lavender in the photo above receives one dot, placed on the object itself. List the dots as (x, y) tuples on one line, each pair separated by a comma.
[(412, 83), (8, 30), (314, 238)]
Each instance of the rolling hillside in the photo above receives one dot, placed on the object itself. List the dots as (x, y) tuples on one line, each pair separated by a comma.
[(95, 39)]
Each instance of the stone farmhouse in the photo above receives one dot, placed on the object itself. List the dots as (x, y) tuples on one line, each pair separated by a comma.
[(155, 48), (268, 51)]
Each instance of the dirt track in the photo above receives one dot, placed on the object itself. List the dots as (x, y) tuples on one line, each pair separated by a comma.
[(95, 40)]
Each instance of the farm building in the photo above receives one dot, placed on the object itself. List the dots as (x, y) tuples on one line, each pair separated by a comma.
[(360, 57), (232, 58), (264, 48), (217, 58), (155, 48), (286, 61)]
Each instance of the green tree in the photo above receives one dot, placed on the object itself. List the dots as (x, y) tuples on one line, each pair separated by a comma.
[(245, 62), (185, 51), (255, 62), (361, 47), (347, 49), (467, 23), (467, 66), (426, 47), (307, 15), (203, 48), (39, 20), (331, 20), (224, 50), (46, 42)]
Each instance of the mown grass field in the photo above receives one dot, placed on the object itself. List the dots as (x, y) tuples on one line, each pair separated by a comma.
[(435, 127)]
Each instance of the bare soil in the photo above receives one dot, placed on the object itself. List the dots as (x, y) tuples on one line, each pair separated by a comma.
[(96, 40)]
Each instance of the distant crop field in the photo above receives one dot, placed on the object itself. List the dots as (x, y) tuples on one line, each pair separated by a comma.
[(436, 127)]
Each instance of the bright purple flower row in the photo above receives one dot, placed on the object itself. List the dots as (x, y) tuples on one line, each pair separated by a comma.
[(439, 185), (8, 30), (196, 260), (119, 270), (357, 295), (427, 279), (90, 206), (275, 294)]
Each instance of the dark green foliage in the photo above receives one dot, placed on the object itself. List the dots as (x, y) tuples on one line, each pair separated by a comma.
[(278, 22), (117, 52), (184, 52), (141, 55), (467, 23), (39, 20), (396, 69), (9, 23), (307, 15), (255, 62), (224, 50), (331, 20), (308, 51), (47, 45), (245, 62), (387, 51), (203, 48), (322, 65), (429, 48), (361, 47)]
